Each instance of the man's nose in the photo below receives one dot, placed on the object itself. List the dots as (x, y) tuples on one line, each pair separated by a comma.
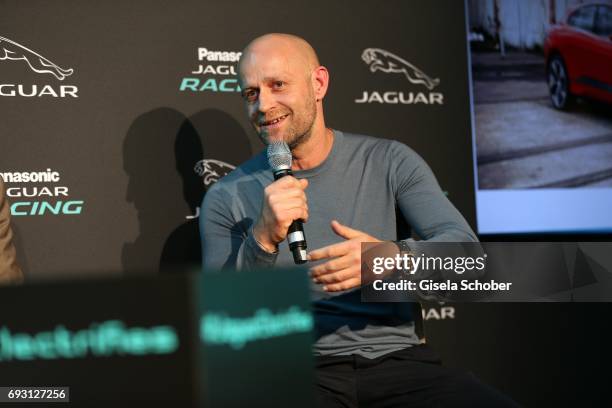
[(265, 101)]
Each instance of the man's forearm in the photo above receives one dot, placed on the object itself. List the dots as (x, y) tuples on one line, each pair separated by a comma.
[(251, 255)]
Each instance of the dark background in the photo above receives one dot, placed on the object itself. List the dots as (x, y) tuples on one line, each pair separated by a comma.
[(127, 146), (127, 143)]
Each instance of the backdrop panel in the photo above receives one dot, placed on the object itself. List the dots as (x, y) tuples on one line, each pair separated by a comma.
[(118, 104)]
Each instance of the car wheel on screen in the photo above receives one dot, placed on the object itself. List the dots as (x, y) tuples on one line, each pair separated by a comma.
[(558, 83)]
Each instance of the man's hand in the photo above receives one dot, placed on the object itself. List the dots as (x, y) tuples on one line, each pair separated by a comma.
[(343, 270), (284, 202)]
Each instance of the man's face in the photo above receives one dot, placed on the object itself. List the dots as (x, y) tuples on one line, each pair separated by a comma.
[(279, 96)]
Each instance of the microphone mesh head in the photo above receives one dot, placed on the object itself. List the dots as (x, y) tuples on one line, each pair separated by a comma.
[(279, 156)]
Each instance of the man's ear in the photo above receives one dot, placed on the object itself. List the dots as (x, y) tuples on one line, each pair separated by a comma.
[(320, 82)]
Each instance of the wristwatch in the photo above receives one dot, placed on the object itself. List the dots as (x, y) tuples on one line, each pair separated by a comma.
[(404, 249)]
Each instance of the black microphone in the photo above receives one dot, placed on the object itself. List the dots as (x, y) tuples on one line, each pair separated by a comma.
[(279, 157)]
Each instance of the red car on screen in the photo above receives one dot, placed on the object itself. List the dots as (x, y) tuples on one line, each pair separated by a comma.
[(579, 56)]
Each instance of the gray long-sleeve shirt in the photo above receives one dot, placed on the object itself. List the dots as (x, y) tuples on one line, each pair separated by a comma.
[(364, 183)]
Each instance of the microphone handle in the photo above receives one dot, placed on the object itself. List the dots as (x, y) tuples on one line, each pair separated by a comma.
[(295, 233)]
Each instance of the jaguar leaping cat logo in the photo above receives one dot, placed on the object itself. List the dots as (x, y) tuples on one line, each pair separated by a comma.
[(212, 170), (381, 60), (10, 50)]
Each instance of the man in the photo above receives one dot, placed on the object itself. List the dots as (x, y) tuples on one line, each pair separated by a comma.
[(9, 270), (347, 189)]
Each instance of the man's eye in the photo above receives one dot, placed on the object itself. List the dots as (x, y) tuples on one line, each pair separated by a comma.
[(278, 84), (250, 95)]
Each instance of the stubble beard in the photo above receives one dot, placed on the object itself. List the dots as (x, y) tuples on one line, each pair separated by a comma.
[(300, 131)]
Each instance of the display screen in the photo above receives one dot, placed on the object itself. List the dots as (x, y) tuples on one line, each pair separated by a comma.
[(541, 107)]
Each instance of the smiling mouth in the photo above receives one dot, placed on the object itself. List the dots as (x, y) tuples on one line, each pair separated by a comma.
[(273, 122)]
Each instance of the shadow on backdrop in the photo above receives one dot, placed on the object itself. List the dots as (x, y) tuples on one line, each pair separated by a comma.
[(171, 160)]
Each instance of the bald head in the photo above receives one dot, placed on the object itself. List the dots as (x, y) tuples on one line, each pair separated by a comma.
[(293, 49), (283, 86)]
